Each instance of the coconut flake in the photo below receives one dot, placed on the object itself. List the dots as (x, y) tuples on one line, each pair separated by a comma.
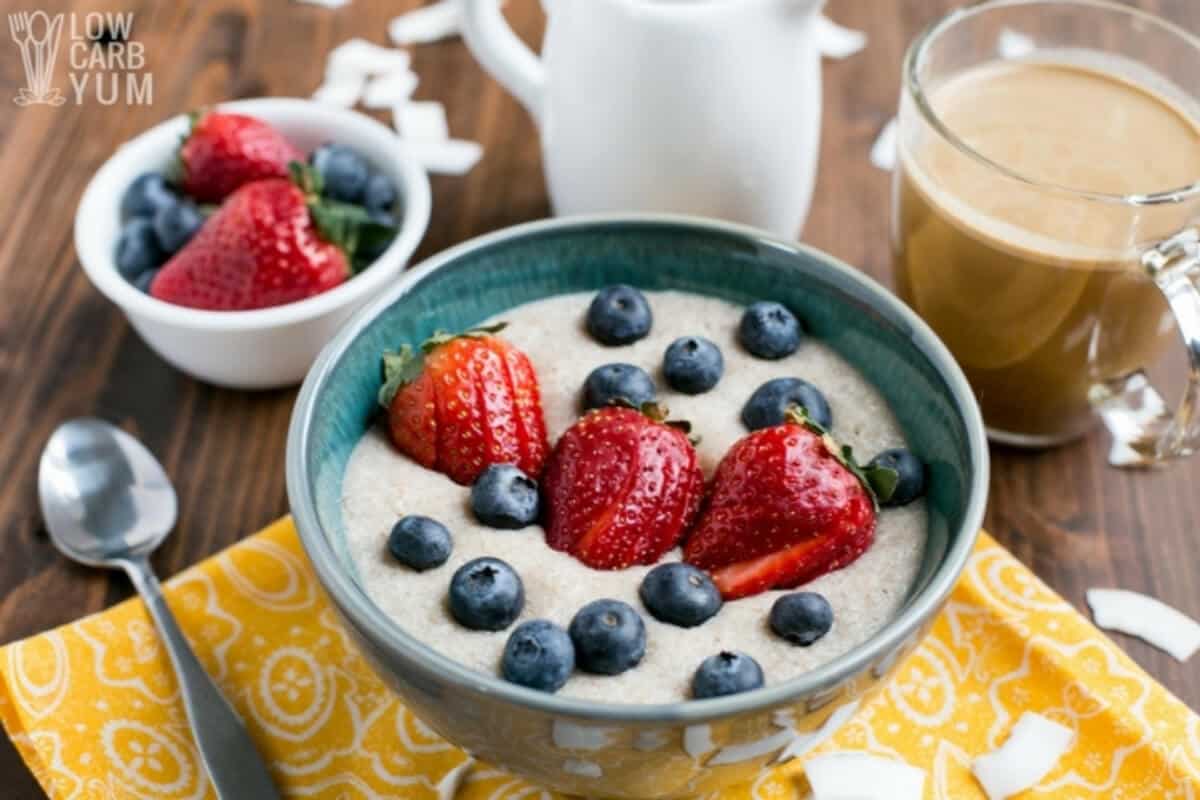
[(837, 41), (1151, 620), (427, 24), (851, 775), (449, 157), (1033, 748), (343, 92), (390, 90), (883, 152), (421, 120), (360, 57)]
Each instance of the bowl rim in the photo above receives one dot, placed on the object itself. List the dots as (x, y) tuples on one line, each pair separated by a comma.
[(374, 624), (98, 198)]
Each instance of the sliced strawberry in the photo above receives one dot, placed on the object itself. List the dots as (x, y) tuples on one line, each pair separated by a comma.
[(464, 403), (787, 506), (223, 152), (621, 487)]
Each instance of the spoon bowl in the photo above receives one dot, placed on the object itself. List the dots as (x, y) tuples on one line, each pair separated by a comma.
[(104, 496)]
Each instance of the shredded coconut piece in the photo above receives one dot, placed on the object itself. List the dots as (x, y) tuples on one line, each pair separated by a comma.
[(852, 775), (390, 89), (360, 57), (837, 41), (883, 152), (343, 92), (427, 24), (449, 157), (421, 120), (1033, 748), (1151, 620)]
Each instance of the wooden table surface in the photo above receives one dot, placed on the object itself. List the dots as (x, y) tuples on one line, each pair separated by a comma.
[(65, 351)]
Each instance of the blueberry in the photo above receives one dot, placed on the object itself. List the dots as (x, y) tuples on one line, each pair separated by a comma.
[(505, 497), (176, 224), (768, 330), (910, 474), (728, 672), (619, 315), (609, 637), (767, 406), (343, 171), (420, 542), (801, 617), (146, 195), (137, 249), (486, 595), (539, 654), (143, 281), (379, 193), (693, 365), (680, 594), (617, 382)]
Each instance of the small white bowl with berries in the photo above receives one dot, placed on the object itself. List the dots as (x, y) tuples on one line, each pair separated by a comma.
[(236, 240)]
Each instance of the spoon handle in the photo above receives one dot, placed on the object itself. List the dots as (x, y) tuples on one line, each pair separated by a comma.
[(235, 768)]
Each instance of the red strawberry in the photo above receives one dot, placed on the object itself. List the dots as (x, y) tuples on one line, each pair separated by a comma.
[(468, 402), (224, 151), (271, 242), (620, 488), (787, 506)]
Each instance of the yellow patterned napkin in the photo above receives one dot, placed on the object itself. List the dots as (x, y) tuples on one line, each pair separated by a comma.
[(94, 710)]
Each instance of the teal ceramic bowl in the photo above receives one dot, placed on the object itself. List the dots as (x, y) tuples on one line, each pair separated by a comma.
[(612, 749)]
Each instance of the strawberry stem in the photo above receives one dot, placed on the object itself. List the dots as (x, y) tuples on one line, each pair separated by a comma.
[(441, 337)]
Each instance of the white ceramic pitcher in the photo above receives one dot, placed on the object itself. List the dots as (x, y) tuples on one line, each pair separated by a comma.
[(708, 107)]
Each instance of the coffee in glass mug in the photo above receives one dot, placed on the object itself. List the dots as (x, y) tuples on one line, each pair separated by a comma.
[(1046, 185)]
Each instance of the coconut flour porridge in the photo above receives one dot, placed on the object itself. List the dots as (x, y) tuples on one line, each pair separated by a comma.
[(770, 516)]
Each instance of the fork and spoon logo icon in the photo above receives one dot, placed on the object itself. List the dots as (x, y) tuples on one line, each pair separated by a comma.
[(37, 34)]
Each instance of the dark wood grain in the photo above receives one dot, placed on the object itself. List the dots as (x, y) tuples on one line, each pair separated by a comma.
[(65, 351)]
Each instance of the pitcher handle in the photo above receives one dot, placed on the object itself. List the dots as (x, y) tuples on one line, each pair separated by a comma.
[(1144, 431), (503, 54)]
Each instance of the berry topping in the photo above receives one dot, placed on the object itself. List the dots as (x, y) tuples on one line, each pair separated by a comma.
[(464, 403), (344, 172), (769, 330), (693, 365), (619, 315), (907, 472), (379, 194), (420, 543), (620, 487), (146, 195), (768, 405), (614, 383), (175, 224), (787, 506), (223, 152), (539, 655), (505, 497), (801, 617), (609, 637), (679, 594), (728, 672), (486, 594), (138, 250)]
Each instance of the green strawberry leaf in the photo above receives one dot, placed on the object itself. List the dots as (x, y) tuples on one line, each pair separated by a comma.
[(175, 171), (440, 337), (400, 368), (883, 481), (352, 229)]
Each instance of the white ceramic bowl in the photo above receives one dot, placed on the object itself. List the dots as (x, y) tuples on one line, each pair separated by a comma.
[(269, 347)]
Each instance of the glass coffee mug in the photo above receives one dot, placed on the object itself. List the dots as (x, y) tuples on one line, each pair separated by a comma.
[(1046, 189)]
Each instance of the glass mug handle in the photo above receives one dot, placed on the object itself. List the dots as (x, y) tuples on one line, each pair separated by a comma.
[(1144, 431)]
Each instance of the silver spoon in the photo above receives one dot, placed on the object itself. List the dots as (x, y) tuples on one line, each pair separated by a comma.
[(108, 503)]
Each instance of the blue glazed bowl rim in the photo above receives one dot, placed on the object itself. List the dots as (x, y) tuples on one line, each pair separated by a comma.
[(374, 624)]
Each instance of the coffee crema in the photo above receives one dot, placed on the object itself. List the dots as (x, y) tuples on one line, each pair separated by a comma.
[(1029, 275)]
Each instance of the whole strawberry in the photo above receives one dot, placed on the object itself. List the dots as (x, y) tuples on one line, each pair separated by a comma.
[(787, 505), (225, 151), (464, 403), (272, 242), (621, 487)]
